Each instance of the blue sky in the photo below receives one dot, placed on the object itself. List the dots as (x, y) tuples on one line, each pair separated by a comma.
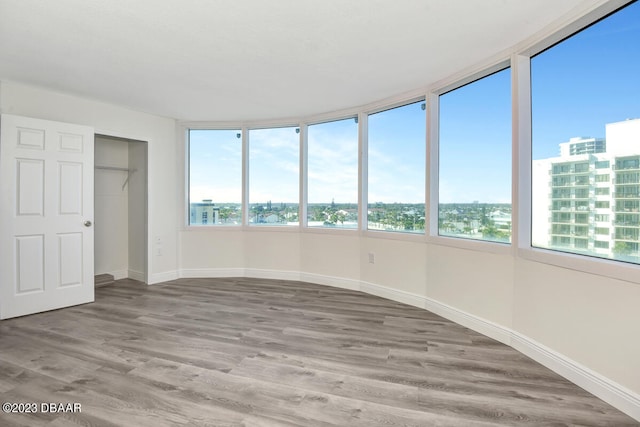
[(333, 162), (586, 81), (215, 166), (475, 141), (578, 86), (397, 154)]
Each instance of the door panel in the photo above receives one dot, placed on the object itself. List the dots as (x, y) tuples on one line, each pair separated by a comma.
[(70, 188), (30, 187), (46, 185), (30, 264), (69, 252)]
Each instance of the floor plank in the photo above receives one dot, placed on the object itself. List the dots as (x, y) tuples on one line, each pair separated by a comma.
[(250, 352)]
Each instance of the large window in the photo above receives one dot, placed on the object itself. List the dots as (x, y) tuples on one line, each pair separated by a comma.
[(215, 177), (274, 176), (332, 178), (397, 153), (585, 93), (475, 160)]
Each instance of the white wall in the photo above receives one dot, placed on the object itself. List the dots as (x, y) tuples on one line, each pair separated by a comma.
[(106, 119), (137, 212)]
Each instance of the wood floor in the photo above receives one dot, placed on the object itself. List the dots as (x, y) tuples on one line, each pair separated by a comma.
[(249, 352)]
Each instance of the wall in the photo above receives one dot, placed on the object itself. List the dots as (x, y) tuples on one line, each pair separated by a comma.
[(111, 206), (137, 213), (106, 119)]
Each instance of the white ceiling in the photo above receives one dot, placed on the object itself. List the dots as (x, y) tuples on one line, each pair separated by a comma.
[(220, 60)]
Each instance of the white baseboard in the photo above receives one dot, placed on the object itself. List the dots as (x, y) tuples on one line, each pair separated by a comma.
[(393, 294), (609, 391), (478, 324), (118, 274), (212, 272), (163, 277), (260, 273), (336, 282), (136, 275)]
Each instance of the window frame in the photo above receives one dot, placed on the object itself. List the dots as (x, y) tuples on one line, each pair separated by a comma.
[(518, 59), (589, 264), (304, 185), (363, 122)]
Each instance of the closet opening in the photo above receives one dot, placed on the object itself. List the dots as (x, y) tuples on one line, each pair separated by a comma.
[(120, 210)]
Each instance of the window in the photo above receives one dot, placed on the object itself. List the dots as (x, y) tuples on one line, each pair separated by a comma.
[(396, 177), (332, 177), (274, 176), (215, 177), (582, 193), (475, 160), (590, 115)]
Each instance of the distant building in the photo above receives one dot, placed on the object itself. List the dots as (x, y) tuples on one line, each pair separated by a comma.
[(204, 213), (592, 191)]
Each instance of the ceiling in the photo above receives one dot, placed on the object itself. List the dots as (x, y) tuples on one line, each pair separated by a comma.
[(244, 60)]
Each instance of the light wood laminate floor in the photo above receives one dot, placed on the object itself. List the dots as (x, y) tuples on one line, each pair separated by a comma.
[(251, 352)]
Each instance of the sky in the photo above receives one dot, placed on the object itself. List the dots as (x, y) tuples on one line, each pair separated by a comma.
[(397, 155), (586, 81), (475, 141), (333, 162), (578, 86)]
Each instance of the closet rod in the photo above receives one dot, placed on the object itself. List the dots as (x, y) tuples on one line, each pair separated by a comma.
[(112, 168)]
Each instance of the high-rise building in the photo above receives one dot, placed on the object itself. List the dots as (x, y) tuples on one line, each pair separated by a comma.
[(204, 213), (592, 191)]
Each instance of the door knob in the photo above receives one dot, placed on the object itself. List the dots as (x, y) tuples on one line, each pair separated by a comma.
[(87, 223)]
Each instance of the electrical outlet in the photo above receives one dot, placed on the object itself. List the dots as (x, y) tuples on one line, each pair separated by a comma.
[(372, 258)]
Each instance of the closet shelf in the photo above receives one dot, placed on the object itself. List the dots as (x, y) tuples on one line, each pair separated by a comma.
[(115, 168)]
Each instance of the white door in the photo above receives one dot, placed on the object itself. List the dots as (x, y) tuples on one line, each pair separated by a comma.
[(46, 214)]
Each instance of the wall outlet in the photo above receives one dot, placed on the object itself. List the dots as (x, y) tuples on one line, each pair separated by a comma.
[(372, 258)]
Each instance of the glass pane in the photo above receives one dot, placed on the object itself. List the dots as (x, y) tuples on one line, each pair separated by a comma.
[(215, 177), (586, 141), (332, 181), (397, 150), (274, 176), (475, 160)]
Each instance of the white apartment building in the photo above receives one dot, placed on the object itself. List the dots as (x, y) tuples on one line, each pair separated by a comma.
[(204, 213), (592, 195)]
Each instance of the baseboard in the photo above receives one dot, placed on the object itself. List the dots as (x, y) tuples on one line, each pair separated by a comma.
[(136, 275), (163, 277), (609, 391), (478, 324), (393, 294), (117, 274), (212, 272), (260, 273), (336, 282)]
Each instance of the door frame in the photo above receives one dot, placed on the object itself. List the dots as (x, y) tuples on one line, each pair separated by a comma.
[(140, 140)]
